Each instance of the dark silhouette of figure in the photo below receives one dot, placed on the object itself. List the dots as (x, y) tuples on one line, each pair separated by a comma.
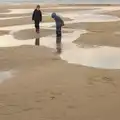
[(59, 24), (37, 18)]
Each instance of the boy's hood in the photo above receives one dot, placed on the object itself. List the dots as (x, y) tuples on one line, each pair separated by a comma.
[(54, 15)]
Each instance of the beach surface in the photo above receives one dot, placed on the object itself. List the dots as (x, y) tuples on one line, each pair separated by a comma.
[(81, 83)]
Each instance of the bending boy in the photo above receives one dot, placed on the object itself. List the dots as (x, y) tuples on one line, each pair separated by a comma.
[(59, 24)]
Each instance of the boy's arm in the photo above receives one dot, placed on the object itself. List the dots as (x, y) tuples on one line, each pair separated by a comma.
[(62, 22), (33, 15), (40, 16)]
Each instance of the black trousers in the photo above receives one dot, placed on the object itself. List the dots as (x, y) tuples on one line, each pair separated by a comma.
[(58, 31), (37, 24)]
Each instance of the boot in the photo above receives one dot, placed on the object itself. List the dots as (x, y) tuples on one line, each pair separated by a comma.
[(37, 31)]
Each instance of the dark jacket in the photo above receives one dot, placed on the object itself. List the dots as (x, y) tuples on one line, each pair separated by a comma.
[(58, 20), (37, 15)]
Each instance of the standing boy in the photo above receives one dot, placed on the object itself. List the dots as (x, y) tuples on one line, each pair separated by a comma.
[(59, 24), (37, 17)]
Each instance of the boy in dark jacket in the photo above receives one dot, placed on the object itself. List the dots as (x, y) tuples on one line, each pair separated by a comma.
[(59, 24), (37, 17)]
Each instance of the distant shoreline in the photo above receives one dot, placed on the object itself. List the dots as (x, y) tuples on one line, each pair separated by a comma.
[(61, 4), (72, 3)]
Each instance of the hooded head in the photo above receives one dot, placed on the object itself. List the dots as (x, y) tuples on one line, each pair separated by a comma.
[(53, 15)]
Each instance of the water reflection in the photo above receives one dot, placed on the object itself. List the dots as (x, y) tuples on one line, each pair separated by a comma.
[(37, 41), (58, 45)]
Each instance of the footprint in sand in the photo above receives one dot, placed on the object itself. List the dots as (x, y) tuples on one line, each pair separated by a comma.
[(71, 107), (101, 79)]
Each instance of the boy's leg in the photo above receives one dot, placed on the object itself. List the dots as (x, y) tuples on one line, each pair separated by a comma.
[(58, 32), (37, 26)]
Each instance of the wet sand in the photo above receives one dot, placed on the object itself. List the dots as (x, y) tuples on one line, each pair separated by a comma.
[(3, 32), (14, 15), (24, 20), (39, 91), (115, 13), (4, 10), (48, 88), (17, 21), (111, 38), (102, 33), (31, 34)]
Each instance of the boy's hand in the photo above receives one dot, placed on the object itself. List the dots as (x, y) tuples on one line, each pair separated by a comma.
[(63, 26)]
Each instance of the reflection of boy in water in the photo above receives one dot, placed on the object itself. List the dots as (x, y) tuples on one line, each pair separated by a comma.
[(37, 41), (59, 24)]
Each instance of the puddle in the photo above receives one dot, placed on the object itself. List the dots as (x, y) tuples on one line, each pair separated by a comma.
[(25, 11), (8, 18), (10, 41), (92, 56), (5, 75), (18, 11), (89, 17), (103, 57)]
